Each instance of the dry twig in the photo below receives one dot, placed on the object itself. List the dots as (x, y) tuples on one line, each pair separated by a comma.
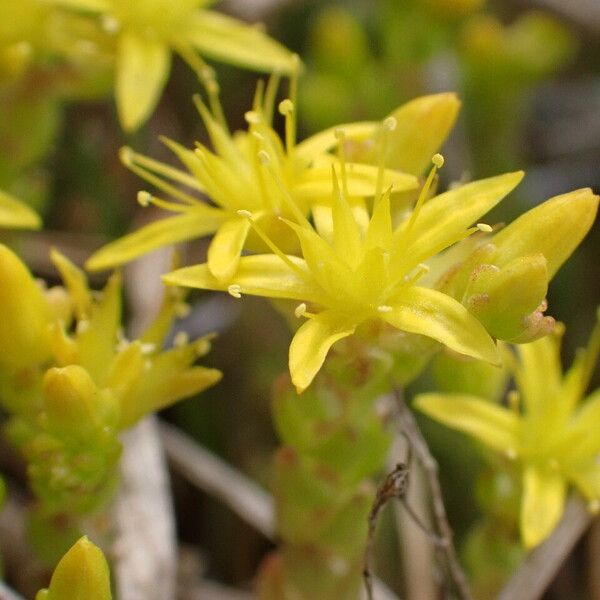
[(410, 428)]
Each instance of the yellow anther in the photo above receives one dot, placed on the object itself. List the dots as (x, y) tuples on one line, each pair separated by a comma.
[(511, 453), (245, 213), (235, 290), (484, 227), (390, 124), (252, 117), (263, 157), (182, 309), (144, 198), (438, 160), (126, 155), (286, 107), (384, 308), (300, 310), (181, 339)]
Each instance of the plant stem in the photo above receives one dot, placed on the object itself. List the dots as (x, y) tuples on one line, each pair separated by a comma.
[(410, 428)]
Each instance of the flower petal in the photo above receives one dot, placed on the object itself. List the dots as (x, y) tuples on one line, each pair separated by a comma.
[(14, 213), (361, 180), (491, 424), (445, 218), (197, 222), (311, 344), (434, 314), (542, 504), (324, 141), (86, 5), (258, 275), (142, 69), (554, 228), (223, 38), (226, 247)]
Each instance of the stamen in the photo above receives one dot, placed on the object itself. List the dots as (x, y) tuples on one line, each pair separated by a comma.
[(252, 117), (384, 308), (181, 339), (422, 269), (270, 95), (340, 136), (484, 227), (182, 309), (514, 401), (267, 240), (288, 110), (235, 290), (438, 163), (511, 453), (258, 96), (387, 127), (143, 166), (300, 310), (145, 199)]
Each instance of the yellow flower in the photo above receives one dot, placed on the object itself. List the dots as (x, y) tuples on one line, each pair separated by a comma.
[(81, 574), (137, 373), (147, 31), (257, 171), (16, 214), (360, 269), (552, 437)]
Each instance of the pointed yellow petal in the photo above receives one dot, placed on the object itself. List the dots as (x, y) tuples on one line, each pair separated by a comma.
[(446, 217), (542, 505), (438, 316), (539, 373), (311, 344), (81, 574), (581, 442), (226, 248), (422, 126), (379, 232), (361, 181), (554, 229), (229, 40), (142, 70), (76, 282), (259, 275), (491, 424), (86, 5), (326, 140), (16, 214), (196, 222)]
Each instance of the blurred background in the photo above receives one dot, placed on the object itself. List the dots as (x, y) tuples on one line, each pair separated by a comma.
[(528, 74)]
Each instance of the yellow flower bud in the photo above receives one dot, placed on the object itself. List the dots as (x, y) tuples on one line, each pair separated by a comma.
[(73, 404), (82, 573), (503, 299), (24, 326)]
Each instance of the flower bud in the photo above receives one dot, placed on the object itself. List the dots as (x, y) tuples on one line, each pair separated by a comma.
[(81, 573), (504, 298), (73, 404), (24, 326)]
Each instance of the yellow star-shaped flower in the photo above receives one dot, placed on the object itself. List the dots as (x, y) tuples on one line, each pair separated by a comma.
[(361, 268), (548, 430)]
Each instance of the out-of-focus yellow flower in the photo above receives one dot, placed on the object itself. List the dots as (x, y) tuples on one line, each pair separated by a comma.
[(548, 430), (147, 31), (140, 376), (17, 215), (361, 269), (81, 574), (257, 171)]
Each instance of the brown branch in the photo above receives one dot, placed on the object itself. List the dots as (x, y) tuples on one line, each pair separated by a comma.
[(410, 428), (540, 567)]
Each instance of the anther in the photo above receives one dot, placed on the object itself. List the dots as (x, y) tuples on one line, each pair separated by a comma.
[(286, 107), (511, 453), (235, 290), (438, 160), (181, 339), (126, 155), (390, 124), (484, 227), (252, 117), (245, 213), (182, 309), (300, 310), (384, 308), (144, 199), (263, 157)]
